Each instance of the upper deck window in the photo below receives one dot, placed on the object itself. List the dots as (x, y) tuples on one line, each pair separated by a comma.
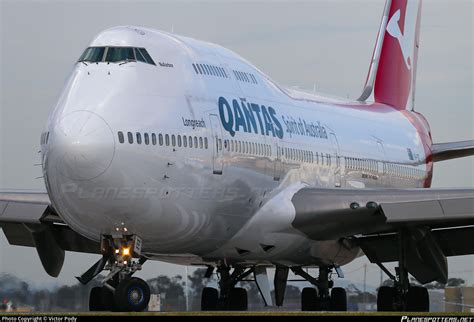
[(116, 55)]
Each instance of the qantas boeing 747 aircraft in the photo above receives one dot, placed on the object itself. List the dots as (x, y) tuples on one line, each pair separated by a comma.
[(162, 147)]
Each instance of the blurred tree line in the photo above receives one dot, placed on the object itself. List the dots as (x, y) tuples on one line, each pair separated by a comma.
[(172, 292)]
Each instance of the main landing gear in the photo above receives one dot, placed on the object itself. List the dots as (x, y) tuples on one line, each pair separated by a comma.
[(119, 291), (229, 297), (402, 296), (324, 297)]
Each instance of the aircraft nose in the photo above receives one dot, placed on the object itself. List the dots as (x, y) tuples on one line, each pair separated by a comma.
[(83, 145)]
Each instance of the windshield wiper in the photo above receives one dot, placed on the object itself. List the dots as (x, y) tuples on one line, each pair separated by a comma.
[(127, 61), (84, 62)]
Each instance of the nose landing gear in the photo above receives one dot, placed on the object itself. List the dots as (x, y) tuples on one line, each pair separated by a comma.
[(119, 291)]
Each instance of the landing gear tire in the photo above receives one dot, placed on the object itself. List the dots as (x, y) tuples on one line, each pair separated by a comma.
[(417, 299), (309, 299), (386, 298), (107, 299), (132, 295), (209, 299), (338, 300), (238, 300), (95, 299)]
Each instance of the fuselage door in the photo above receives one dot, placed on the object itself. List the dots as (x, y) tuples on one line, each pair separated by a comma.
[(337, 163), (277, 164), (381, 164), (216, 142)]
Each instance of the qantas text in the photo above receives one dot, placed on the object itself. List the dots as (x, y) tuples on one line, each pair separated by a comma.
[(240, 115)]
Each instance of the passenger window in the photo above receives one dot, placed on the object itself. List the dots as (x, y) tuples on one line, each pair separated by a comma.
[(130, 137), (160, 139), (196, 142), (120, 137), (173, 140), (190, 141), (199, 68), (200, 143), (205, 143), (147, 139), (185, 141), (179, 141), (195, 69), (167, 140), (153, 138)]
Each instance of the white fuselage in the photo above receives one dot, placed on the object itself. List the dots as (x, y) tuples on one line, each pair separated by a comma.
[(210, 202)]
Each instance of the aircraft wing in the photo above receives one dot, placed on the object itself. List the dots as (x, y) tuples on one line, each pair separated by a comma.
[(28, 219), (452, 150), (440, 223)]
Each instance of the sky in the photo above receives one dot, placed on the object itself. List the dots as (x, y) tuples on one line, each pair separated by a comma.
[(325, 45)]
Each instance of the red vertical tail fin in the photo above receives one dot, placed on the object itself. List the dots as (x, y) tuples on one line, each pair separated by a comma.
[(392, 73)]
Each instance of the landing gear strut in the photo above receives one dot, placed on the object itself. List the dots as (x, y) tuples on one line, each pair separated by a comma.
[(402, 296), (324, 297), (119, 291), (230, 298)]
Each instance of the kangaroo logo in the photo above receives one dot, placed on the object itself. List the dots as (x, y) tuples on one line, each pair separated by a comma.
[(393, 28)]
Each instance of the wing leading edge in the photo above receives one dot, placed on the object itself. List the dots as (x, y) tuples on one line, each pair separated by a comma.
[(437, 221)]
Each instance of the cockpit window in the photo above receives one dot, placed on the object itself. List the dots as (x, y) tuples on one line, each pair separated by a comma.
[(93, 54), (147, 56), (116, 55), (139, 56)]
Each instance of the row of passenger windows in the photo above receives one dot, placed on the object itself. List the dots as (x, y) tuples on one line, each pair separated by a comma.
[(260, 149), (115, 54), (394, 170), (400, 171), (305, 156), (205, 69), (245, 77), (166, 139), (361, 164), (246, 147)]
